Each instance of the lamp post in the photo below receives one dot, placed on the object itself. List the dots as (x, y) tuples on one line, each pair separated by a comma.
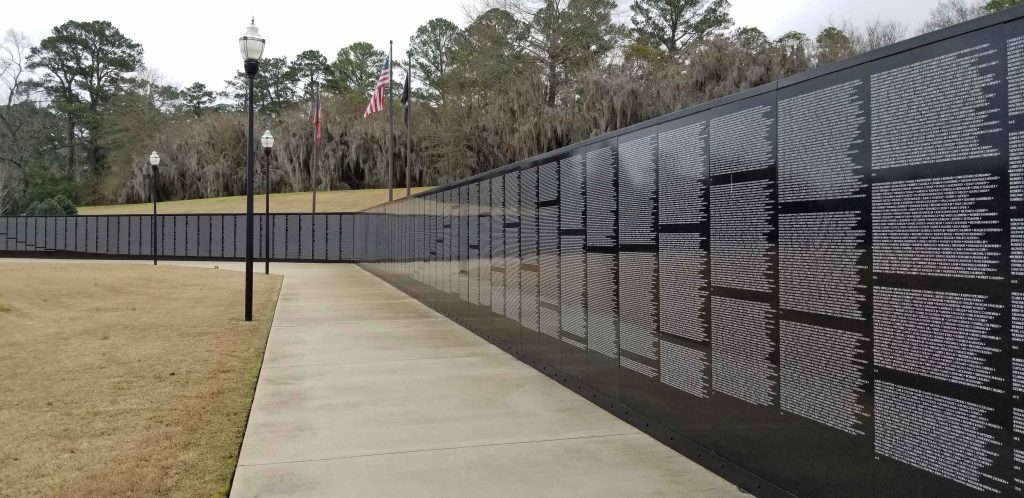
[(154, 161), (268, 143), (251, 46)]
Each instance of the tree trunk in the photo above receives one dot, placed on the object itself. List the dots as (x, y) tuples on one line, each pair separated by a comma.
[(95, 156), (71, 148), (552, 84)]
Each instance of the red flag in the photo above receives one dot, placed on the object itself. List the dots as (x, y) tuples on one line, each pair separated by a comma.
[(317, 118)]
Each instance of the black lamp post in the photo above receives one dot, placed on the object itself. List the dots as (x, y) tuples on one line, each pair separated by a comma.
[(251, 45), (268, 143), (154, 161)]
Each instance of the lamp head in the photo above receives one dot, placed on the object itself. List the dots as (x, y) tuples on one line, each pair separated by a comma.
[(154, 159), (267, 140), (251, 43)]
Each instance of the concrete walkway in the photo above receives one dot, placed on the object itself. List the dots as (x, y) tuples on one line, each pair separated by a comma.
[(366, 392)]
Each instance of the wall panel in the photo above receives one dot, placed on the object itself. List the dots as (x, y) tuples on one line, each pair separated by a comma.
[(200, 236), (813, 287)]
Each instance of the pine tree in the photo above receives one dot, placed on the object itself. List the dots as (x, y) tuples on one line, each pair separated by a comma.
[(673, 24)]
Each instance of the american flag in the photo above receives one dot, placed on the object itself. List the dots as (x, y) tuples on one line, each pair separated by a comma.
[(377, 100)]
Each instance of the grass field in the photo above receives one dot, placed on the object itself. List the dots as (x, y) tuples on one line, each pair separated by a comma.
[(298, 202), (125, 380)]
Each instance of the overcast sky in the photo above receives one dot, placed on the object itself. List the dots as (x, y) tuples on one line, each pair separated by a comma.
[(193, 40)]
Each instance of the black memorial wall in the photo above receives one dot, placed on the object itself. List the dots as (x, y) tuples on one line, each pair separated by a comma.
[(815, 287), (293, 237)]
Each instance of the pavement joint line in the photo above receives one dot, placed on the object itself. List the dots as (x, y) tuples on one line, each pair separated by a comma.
[(429, 450), (497, 353)]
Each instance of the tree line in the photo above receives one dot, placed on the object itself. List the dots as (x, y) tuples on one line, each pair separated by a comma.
[(81, 111)]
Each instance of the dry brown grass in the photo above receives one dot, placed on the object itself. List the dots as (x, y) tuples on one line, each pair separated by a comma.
[(125, 380), (297, 202)]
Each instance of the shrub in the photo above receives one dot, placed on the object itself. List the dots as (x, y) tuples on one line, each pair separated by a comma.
[(54, 206)]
